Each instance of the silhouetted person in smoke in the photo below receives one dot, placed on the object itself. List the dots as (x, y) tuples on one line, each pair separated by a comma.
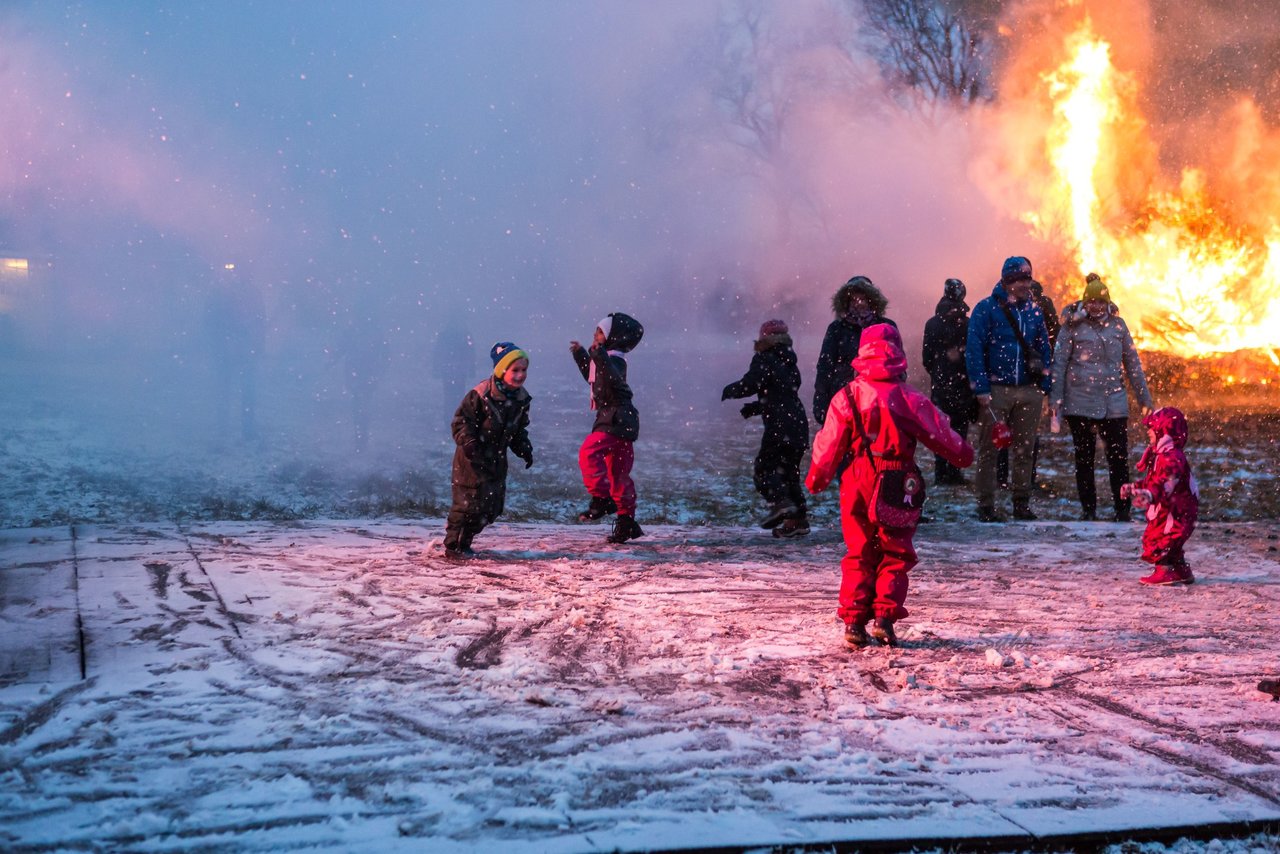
[(235, 324), (454, 357), (945, 336)]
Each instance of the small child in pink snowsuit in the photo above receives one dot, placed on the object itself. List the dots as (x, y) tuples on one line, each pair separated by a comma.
[(1169, 494)]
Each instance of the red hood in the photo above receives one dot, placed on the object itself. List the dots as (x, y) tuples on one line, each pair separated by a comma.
[(1168, 421), (880, 353)]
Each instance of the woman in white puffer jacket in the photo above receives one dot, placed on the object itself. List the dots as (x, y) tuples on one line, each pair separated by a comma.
[(1093, 358)]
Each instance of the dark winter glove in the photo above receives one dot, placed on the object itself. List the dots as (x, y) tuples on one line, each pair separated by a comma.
[(752, 408), (724, 395), (527, 457)]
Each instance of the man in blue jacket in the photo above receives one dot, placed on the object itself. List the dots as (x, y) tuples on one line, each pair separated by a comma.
[(1007, 357)]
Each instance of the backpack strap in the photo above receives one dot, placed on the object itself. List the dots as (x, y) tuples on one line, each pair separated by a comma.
[(857, 422), (1017, 333)]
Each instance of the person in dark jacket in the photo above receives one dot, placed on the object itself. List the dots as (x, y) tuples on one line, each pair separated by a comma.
[(945, 335), (774, 380), (1007, 357), (1052, 323), (492, 417), (857, 305), (607, 454)]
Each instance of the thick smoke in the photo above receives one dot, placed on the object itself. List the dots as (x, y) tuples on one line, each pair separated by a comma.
[(400, 185)]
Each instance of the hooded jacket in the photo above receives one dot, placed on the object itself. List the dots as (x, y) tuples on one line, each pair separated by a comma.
[(895, 416), (1091, 362), (610, 394), (1175, 498), (774, 379), (993, 355), (840, 343), (490, 419), (949, 381)]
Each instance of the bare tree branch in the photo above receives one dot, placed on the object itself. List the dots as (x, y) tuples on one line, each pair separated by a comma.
[(928, 50)]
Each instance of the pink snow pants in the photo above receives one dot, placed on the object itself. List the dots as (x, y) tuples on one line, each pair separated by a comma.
[(873, 572), (606, 462)]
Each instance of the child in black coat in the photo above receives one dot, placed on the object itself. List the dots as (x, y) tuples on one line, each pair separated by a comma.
[(607, 454), (774, 380), (492, 417)]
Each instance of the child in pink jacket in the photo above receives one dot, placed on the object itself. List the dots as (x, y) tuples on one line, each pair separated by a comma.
[(1169, 494), (894, 417)]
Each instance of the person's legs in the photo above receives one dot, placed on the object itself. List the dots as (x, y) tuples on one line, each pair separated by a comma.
[(618, 459), (792, 458), (898, 556), (985, 478), (1027, 403), (1115, 438), (591, 460), (858, 566), (943, 471), (1084, 443)]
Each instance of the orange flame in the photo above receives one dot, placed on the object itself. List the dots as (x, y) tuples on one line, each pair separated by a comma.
[(1192, 280)]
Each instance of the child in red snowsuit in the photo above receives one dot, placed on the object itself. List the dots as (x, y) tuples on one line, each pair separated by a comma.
[(894, 417), (1170, 496)]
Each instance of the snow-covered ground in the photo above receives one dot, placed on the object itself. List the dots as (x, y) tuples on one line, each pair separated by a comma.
[(266, 686), (196, 652)]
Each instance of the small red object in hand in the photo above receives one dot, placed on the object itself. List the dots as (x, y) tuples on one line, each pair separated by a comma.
[(1001, 435)]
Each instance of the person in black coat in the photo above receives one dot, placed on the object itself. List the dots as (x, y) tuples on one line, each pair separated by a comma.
[(774, 380), (607, 454), (857, 305), (492, 417), (944, 340)]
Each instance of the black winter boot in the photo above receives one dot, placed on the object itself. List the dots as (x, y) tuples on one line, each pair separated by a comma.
[(882, 630), (796, 526), (1022, 510), (855, 635), (598, 509), (777, 513), (624, 528)]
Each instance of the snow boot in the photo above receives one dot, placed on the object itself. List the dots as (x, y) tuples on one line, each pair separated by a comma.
[(781, 510), (1272, 687), (855, 635), (624, 528), (458, 553), (989, 514), (598, 509), (1022, 510), (796, 526), (1165, 576), (882, 630)]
